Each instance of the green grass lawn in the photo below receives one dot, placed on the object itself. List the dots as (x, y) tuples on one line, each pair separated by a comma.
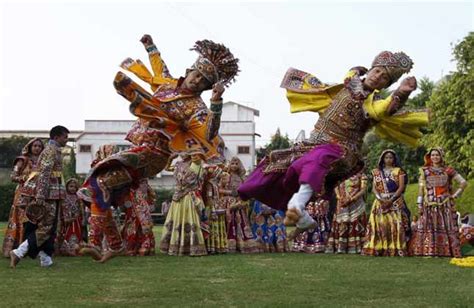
[(238, 280)]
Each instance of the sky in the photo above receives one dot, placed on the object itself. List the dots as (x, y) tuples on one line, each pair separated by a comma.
[(58, 60)]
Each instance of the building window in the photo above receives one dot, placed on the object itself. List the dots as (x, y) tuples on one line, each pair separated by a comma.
[(243, 150), (85, 148)]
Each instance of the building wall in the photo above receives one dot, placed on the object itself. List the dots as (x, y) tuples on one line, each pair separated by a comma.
[(232, 144), (235, 112), (95, 140), (237, 129)]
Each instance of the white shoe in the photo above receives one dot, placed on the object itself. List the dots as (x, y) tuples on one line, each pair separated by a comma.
[(22, 250), (298, 203), (305, 221), (45, 260)]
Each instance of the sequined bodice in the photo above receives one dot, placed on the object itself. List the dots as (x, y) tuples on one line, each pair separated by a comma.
[(344, 122)]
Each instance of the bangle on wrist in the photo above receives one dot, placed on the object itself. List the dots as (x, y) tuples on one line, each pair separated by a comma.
[(151, 48), (419, 200), (458, 193), (216, 106)]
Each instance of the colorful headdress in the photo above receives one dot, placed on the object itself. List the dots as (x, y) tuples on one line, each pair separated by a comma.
[(216, 63), (396, 64)]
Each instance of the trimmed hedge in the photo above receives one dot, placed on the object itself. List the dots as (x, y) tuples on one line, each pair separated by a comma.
[(7, 193)]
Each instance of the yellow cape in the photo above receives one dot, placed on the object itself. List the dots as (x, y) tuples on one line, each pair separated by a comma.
[(402, 127)]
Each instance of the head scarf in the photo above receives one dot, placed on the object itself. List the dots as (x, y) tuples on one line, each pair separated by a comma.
[(26, 151), (427, 157), (241, 172)]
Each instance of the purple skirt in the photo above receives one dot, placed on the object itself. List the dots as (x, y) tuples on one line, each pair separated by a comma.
[(276, 188)]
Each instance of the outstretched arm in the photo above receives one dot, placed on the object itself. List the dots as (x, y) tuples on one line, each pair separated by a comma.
[(400, 96), (160, 70), (421, 192), (381, 108), (216, 111), (462, 185)]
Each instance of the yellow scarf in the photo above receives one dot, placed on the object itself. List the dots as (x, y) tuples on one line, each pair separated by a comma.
[(401, 127)]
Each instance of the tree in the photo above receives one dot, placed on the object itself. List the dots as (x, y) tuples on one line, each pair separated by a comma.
[(277, 142), (410, 158), (10, 148), (426, 86), (452, 111), (69, 162)]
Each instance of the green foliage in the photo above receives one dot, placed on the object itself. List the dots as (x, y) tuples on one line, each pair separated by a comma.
[(411, 159), (161, 196), (10, 148), (426, 86), (465, 204), (451, 103), (464, 54), (7, 192), (452, 107), (277, 142), (69, 166)]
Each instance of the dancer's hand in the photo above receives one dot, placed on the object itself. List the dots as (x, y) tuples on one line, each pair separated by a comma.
[(146, 40), (217, 91), (408, 85)]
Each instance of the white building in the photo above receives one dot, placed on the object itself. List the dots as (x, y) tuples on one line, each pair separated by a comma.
[(237, 129)]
